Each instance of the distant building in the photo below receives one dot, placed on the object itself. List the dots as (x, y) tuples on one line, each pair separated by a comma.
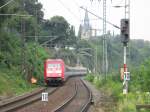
[(85, 29)]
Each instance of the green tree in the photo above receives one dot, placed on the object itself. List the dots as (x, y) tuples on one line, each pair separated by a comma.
[(60, 31)]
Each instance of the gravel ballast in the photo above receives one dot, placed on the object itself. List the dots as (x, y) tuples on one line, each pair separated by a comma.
[(102, 102)]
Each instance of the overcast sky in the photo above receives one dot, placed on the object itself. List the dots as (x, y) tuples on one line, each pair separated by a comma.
[(70, 10)]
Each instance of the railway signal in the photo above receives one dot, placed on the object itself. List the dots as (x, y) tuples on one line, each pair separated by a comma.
[(125, 35), (125, 31)]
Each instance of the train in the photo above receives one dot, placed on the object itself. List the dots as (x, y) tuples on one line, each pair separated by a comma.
[(56, 72)]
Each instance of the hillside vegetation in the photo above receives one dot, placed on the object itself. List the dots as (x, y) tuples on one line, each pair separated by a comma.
[(27, 39), (21, 53)]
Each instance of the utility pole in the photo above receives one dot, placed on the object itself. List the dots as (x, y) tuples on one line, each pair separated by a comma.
[(96, 70), (105, 58), (36, 29), (23, 50), (105, 61), (24, 66), (36, 35), (125, 35)]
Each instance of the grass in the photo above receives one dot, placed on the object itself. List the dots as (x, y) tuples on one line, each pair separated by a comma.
[(12, 83), (113, 88)]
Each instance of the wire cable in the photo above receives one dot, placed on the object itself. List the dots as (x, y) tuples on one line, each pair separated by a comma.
[(68, 9), (120, 2), (6, 4), (101, 18), (20, 15)]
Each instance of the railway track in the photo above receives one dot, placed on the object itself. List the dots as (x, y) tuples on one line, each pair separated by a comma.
[(74, 96), (80, 100), (20, 101), (64, 92)]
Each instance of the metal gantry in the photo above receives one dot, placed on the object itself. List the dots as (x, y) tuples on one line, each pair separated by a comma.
[(105, 61), (23, 54)]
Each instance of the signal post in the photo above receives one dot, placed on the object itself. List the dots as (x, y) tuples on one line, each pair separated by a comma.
[(125, 40), (125, 35)]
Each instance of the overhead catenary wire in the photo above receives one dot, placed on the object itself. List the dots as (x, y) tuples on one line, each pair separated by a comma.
[(6, 4), (101, 18), (20, 15), (121, 1), (68, 9)]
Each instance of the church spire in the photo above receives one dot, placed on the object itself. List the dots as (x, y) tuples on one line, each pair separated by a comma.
[(86, 20), (86, 28)]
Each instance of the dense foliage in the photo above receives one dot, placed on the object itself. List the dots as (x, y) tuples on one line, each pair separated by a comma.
[(21, 55), (137, 52)]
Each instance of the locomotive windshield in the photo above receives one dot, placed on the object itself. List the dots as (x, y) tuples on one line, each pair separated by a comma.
[(54, 65)]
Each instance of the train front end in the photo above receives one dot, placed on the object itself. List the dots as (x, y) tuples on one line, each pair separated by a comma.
[(54, 71)]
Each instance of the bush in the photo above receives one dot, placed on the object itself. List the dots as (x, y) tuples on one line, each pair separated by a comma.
[(89, 77)]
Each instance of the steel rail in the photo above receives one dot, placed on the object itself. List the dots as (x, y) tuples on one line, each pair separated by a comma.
[(62, 106), (87, 105), (84, 108), (25, 100), (17, 98)]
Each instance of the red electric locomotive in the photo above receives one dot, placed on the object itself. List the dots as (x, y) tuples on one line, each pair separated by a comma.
[(54, 70)]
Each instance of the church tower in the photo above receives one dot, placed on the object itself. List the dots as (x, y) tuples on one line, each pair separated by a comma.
[(86, 27)]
